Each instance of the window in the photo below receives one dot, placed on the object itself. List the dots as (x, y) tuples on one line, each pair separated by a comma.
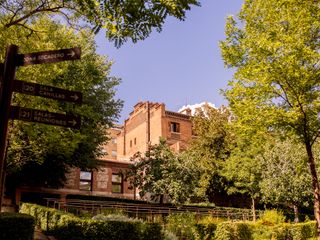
[(114, 140), (113, 153), (135, 141), (103, 151), (130, 143), (175, 127), (116, 183), (85, 180)]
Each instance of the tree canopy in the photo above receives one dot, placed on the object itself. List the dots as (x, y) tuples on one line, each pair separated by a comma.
[(37, 149), (285, 178), (210, 148), (274, 47), (122, 19), (163, 174)]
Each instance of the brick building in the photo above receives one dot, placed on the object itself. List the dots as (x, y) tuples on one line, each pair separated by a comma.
[(144, 126), (147, 123)]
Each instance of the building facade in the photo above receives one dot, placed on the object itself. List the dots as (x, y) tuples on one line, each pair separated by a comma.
[(146, 124)]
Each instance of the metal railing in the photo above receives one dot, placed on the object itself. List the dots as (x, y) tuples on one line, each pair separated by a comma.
[(147, 211)]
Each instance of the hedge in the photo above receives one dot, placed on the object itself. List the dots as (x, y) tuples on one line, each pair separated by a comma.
[(233, 231), (15, 226), (255, 231), (182, 225), (205, 231), (65, 226)]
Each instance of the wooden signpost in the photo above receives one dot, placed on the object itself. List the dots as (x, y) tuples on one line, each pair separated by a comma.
[(8, 85), (39, 116), (48, 56), (46, 91)]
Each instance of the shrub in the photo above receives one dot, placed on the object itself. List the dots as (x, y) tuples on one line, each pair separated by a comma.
[(66, 226), (206, 227), (233, 231), (272, 217), (113, 217), (46, 218), (205, 231), (303, 230), (15, 226), (169, 235), (224, 231), (182, 225), (284, 231), (152, 231)]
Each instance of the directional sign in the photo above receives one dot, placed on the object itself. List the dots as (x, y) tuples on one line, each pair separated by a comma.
[(48, 56), (33, 115), (46, 91)]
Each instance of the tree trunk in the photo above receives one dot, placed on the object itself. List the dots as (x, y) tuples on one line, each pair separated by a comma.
[(296, 213), (315, 185), (161, 198), (253, 207)]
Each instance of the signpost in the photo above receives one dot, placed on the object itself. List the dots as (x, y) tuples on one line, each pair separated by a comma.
[(39, 116), (8, 85), (48, 56), (46, 91)]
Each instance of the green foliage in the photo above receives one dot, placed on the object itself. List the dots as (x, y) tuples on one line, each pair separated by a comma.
[(284, 231), (276, 58), (169, 235), (205, 231), (285, 177), (113, 217), (272, 217), (274, 47), (243, 169), (16, 226), (210, 149), (152, 231), (162, 173), (182, 225), (258, 231), (67, 226), (122, 20), (47, 152), (46, 218), (206, 227), (233, 231)]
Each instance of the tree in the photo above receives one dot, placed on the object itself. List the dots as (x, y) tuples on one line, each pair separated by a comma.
[(243, 169), (212, 146), (122, 19), (275, 50), (36, 150), (285, 177), (162, 173)]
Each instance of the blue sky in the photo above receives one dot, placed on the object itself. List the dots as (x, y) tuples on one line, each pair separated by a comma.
[(181, 65)]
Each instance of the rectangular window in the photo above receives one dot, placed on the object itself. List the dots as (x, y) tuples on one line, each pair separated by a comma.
[(85, 181), (175, 127), (130, 143), (117, 183), (113, 153), (135, 141), (103, 151)]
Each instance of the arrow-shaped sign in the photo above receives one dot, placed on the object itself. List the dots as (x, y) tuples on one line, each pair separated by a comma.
[(48, 56), (75, 97), (51, 118), (46, 91), (72, 122)]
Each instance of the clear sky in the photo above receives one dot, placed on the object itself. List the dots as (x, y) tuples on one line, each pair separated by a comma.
[(181, 65)]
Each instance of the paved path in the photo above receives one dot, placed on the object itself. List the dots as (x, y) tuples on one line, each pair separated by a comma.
[(39, 235)]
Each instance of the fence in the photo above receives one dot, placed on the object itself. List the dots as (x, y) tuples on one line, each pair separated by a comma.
[(149, 212)]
